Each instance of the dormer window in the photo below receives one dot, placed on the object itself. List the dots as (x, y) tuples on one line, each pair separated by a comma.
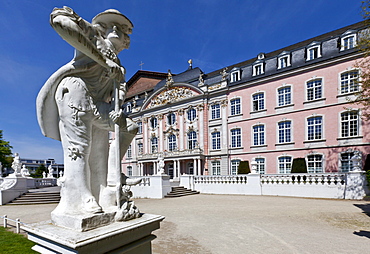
[(258, 69), (313, 51), (284, 60), (235, 75), (348, 40), (128, 107)]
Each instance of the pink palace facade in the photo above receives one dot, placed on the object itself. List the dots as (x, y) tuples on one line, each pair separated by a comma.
[(290, 103)]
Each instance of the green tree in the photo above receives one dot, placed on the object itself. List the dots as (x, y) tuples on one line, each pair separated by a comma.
[(39, 171), (5, 152)]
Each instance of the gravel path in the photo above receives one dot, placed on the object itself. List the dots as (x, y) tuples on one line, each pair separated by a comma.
[(246, 224)]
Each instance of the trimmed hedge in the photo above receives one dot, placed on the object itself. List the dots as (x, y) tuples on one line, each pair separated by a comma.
[(299, 165), (243, 168)]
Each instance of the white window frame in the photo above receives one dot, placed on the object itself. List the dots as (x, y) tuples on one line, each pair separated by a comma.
[(345, 164), (350, 84), (140, 127), (284, 96), (313, 166), (216, 140), (129, 152), (314, 128), (153, 122), (154, 145), (171, 118), (261, 165), (310, 49), (284, 61), (258, 103), (234, 164), (192, 139), (236, 137), (216, 167), (259, 134), (348, 124), (215, 111), (284, 167), (172, 142), (343, 40), (316, 89), (235, 75), (140, 148), (191, 114), (129, 170), (235, 106), (284, 132), (258, 69)]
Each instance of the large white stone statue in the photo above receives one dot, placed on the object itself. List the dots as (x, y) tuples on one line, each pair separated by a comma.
[(79, 104)]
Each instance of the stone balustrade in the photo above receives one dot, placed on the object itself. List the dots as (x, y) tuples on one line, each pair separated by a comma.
[(324, 178), (225, 179)]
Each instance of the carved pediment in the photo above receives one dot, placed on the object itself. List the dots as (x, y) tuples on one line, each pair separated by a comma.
[(171, 95)]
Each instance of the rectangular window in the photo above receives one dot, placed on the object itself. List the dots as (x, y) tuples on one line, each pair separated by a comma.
[(313, 53), (215, 111), (258, 69), (314, 163), (235, 107), (285, 164), (129, 170), (348, 42), (129, 152), (234, 167), (284, 96), (154, 145), (285, 132), (314, 90), (235, 76), (346, 162), (283, 61), (140, 127), (172, 142), (349, 124), (349, 82), (258, 101), (260, 165), (314, 128), (236, 138), (216, 168), (216, 140), (140, 148), (258, 135)]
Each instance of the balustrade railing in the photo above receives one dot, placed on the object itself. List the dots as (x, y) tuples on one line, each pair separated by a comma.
[(221, 179), (324, 179), (145, 181), (45, 182)]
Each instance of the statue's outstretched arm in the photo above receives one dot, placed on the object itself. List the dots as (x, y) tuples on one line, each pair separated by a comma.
[(79, 33)]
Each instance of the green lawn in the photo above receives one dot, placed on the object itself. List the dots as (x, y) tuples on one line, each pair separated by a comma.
[(14, 243)]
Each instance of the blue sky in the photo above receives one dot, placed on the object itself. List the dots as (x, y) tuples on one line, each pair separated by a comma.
[(167, 33)]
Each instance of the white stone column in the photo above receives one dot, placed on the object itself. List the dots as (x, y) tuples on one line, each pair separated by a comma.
[(224, 131), (199, 166), (178, 168), (181, 127), (146, 140), (195, 169), (201, 127), (160, 134)]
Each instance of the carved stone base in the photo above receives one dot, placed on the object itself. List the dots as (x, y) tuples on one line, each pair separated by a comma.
[(129, 237), (82, 222)]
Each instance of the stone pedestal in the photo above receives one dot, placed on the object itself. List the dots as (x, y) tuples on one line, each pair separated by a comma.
[(129, 237)]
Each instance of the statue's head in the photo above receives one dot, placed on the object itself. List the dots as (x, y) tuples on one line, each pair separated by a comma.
[(115, 27)]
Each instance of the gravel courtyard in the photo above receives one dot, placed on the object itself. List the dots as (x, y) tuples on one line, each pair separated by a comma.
[(246, 224)]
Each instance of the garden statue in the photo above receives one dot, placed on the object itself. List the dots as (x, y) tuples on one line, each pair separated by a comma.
[(81, 103)]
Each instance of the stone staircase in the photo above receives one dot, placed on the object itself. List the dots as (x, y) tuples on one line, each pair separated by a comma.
[(36, 198), (179, 192)]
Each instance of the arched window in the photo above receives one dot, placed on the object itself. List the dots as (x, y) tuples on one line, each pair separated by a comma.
[(153, 122), (285, 164), (171, 118), (216, 140), (314, 163)]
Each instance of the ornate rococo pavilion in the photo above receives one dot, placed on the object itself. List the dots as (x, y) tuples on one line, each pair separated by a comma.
[(286, 104)]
